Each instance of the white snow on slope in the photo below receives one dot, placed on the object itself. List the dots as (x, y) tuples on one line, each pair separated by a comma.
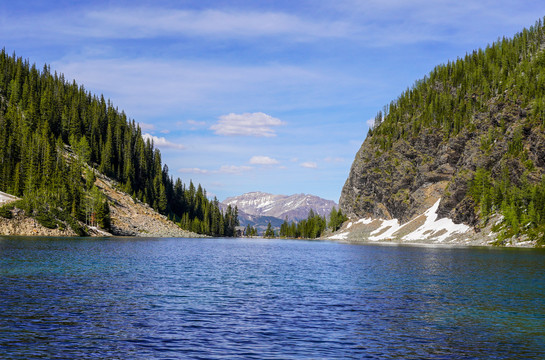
[(391, 227), (433, 229), (5, 198), (432, 226), (339, 236)]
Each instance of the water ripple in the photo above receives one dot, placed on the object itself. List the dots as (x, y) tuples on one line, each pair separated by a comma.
[(266, 299)]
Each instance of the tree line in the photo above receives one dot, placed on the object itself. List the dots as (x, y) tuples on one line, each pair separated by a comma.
[(53, 133)]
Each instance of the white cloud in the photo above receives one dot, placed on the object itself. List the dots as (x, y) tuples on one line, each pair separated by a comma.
[(371, 122), (193, 171), (162, 142), (247, 124), (263, 160), (196, 123), (224, 169), (166, 131), (151, 88), (150, 22), (309, 165), (146, 127), (330, 159), (232, 169)]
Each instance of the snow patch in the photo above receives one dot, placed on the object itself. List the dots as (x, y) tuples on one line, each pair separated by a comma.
[(349, 225), (364, 221), (433, 229), (340, 236), (5, 198), (386, 230), (439, 229)]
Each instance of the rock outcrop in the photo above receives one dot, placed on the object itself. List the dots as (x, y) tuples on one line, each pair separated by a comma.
[(407, 179), (131, 217)]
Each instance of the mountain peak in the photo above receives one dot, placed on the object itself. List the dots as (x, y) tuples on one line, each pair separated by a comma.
[(294, 207)]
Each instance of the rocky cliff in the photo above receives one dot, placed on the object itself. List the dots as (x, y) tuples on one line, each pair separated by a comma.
[(406, 179), (471, 135)]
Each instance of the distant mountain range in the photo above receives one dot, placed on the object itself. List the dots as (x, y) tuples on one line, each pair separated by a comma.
[(258, 208)]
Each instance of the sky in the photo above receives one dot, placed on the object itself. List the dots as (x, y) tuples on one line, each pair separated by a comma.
[(255, 95)]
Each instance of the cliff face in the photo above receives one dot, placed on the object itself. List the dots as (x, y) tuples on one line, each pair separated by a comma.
[(471, 134), (405, 180)]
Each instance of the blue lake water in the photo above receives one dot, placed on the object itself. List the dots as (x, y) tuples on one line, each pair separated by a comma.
[(267, 299)]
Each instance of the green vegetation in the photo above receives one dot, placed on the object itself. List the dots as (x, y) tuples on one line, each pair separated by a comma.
[(310, 228), (53, 132), (336, 219), (497, 96), (269, 233), (250, 231), (522, 207), (448, 99)]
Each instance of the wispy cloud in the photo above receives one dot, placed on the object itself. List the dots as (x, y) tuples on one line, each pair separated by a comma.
[(331, 159), (224, 169), (155, 87), (194, 125), (146, 127), (263, 160), (233, 169), (151, 22), (162, 142), (247, 124), (397, 22), (309, 165), (193, 171)]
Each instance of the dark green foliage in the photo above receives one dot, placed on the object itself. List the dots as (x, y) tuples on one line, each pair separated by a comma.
[(250, 231), (52, 130), (310, 228), (522, 206), (5, 211), (45, 218), (448, 98), (336, 219), (103, 215), (269, 233)]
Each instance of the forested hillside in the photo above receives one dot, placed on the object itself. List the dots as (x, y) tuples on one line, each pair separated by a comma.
[(53, 132), (471, 133)]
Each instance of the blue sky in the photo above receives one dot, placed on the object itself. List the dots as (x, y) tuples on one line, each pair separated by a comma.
[(243, 96)]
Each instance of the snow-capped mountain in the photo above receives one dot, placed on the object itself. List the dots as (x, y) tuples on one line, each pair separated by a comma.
[(294, 207)]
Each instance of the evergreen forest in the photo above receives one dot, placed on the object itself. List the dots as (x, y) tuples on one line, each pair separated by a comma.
[(312, 227), (54, 137)]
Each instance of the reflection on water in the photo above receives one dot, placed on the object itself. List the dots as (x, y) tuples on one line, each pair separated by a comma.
[(225, 298)]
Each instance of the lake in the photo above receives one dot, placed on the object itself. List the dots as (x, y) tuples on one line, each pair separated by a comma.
[(267, 299)]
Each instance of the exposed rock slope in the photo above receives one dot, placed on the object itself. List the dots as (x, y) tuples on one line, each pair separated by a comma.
[(129, 218), (133, 218)]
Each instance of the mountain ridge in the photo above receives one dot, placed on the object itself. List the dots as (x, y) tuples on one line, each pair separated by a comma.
[(257, 207)]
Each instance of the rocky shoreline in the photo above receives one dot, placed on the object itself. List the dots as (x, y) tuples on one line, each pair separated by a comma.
[(427, 228)]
